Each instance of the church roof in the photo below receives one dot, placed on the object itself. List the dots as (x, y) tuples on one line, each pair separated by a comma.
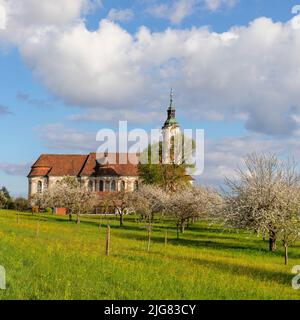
[(81, 165), (171, 122), (121, 166)]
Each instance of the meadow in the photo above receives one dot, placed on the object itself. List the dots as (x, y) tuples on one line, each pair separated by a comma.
[(48, 257)]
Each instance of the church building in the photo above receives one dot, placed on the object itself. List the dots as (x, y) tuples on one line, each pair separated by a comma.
[(97, 175)]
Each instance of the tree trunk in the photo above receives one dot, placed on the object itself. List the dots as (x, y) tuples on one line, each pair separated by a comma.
[(149, 238), (78, 219), (121, 220), (70, 217), (182, 227), (272, 241), (38, 228), (286, 255), (166, 238), (107, 241), (177, 231)]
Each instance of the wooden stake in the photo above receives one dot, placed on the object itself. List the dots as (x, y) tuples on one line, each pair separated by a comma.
[(108, 241), (38, 229), (166, 238), (149, 239)]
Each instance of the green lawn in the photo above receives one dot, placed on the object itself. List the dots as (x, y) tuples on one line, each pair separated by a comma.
[(66, 261)]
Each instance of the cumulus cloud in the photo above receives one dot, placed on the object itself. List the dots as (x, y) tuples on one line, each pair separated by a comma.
[(104, 115), (25, 18), (223, 156), (39, 103), (2, 16), (4, 110), (15, 169), (222, 75), (240, 73), (59, 137), (214, 5), (175, 12), (125, 15)]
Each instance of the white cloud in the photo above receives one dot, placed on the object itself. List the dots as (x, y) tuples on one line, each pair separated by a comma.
[(237, 74), (105, 115), (59, 137), (240, 72), (25, 18), (15, 169), (223, 156), (125, 15), (214, 5), (175, 12), (2, 16)]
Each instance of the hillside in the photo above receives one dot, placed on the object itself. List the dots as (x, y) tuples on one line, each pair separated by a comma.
[(56, 259)]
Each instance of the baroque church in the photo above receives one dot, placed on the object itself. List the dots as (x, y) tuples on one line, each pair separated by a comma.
[(97, 175)]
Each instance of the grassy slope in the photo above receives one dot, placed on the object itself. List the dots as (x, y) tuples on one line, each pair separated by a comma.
[(67, 262)]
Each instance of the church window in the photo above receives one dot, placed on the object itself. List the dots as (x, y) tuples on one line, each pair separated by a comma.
[(101, 186), (123, 186), (40, 187), (136, 186), (113, 186), (91, 186)]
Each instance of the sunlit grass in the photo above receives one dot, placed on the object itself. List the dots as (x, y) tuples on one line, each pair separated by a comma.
[(67, 261)]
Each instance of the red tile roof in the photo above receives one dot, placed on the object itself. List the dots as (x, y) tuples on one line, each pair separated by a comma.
[(101, 168), (81, 165)]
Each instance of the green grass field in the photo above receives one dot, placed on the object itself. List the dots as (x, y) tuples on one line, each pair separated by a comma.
[(67, 261)]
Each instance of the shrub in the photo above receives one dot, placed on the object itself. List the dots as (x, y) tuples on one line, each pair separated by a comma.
[(49, 210), (21, 204)]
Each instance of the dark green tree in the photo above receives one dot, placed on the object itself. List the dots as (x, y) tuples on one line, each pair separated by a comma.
[(169, 176)]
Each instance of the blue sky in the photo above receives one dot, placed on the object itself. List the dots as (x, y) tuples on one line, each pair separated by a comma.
[(234, 67)]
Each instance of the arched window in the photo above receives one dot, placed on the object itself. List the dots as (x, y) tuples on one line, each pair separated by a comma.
[(136, 186), (101, 186), (91, 186), (40, 187), (113, 186), (123, 186)]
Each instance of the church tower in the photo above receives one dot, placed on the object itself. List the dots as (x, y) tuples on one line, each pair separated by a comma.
[(170, 129)]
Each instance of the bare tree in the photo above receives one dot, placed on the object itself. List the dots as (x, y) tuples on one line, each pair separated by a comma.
[(259, 199)]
